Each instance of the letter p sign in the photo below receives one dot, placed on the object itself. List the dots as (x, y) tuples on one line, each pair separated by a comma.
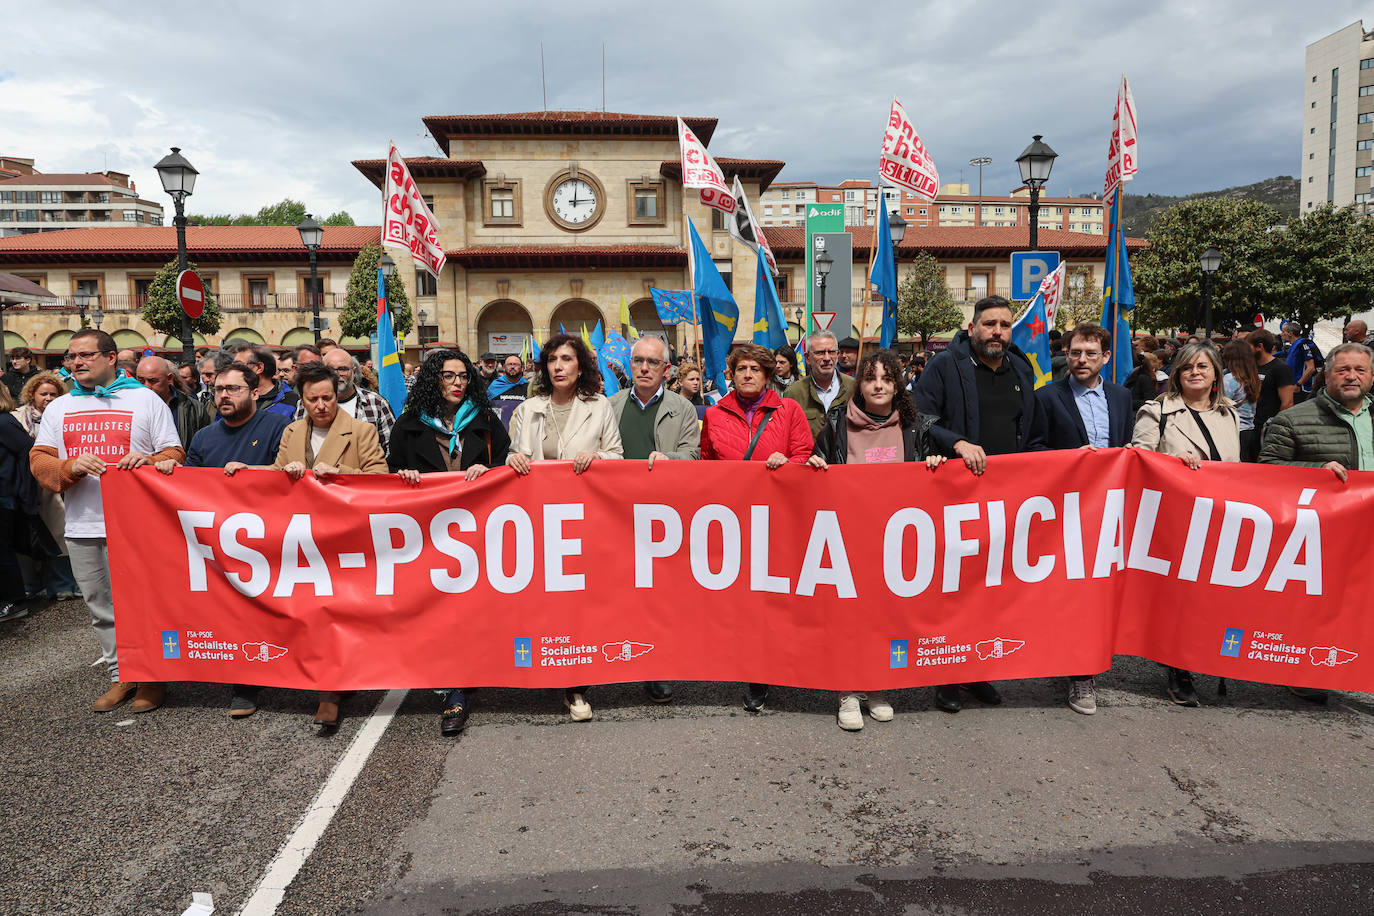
[(1028, 268)]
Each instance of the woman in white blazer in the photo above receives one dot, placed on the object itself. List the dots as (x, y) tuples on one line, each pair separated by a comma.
[(568, 418)]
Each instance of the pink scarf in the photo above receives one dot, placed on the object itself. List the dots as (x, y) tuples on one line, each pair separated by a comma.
[(873, 443)]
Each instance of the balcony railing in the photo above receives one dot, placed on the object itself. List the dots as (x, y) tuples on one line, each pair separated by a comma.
[(232, 302)]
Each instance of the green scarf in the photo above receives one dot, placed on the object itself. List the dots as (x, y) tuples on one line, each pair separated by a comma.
[(467, 412), (105, 391)]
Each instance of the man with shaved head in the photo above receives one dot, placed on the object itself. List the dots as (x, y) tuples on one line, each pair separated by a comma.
[(1358, 332), (156, 374)]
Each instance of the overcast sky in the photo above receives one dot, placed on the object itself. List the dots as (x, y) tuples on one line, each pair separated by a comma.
[(272, 100)]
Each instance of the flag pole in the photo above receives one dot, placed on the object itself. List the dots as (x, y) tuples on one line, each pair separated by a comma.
[(868, 278), (692, 292)]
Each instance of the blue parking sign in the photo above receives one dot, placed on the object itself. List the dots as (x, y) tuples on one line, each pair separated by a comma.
[(1028, 268)]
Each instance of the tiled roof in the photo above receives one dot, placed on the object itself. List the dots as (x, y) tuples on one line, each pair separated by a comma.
[(71, 178), (765, 170), (569, 256), (563, 124), (423, 167), (157, 244), (957, 241)]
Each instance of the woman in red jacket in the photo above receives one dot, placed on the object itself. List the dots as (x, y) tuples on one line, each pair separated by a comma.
[(754, 423)]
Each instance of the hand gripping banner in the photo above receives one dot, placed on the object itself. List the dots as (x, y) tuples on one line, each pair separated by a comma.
[(854, 578)]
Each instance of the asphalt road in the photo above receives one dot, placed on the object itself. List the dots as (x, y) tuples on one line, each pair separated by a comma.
[(1255, 803)]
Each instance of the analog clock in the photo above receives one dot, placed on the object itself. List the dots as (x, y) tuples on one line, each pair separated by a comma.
[(575, 201)]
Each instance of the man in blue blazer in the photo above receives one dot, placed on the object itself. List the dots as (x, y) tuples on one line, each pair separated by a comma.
[(1084, 410)]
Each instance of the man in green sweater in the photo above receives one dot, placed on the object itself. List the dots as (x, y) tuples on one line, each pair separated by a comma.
[(823, 387), (655, 424)]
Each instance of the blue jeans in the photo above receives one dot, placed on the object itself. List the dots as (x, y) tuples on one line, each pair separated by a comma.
[(57, 577), (455, 697)]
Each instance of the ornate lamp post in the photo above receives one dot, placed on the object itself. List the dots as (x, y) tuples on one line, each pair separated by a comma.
[(179, 179), (1035, 163), (311, 236), (823, 262), (1210, 262)]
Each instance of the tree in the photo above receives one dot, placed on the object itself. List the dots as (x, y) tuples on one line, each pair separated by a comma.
[(286, 212), (1168, 280), (1321, 265), (1082, 302), (162, 310), (925, 305), (358, 317)]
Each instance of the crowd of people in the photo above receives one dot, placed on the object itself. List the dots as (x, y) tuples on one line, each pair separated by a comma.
[(316, 410)]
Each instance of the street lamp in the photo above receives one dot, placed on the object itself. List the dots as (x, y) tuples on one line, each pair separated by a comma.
[(1035, 163), (1210, 262), (424, 317), (179, 179), (311, 236), (980, 161), (823, 262), (97, 316), (82, 300)]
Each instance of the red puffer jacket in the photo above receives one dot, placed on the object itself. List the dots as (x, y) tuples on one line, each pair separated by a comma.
[(725, 435)]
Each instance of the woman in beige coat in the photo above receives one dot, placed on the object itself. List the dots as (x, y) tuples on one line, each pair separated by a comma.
[(327, 442), (1195, 422), (567, 419)]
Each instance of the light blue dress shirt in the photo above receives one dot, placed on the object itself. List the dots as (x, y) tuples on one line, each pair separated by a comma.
[(1092, 407)]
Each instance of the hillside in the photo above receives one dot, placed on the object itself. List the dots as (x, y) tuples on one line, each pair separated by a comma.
[(1141, 211)]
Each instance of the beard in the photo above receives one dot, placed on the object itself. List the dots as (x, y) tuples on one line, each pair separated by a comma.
[(988, 348)]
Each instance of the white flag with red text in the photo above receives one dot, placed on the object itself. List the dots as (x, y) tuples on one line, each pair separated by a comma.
[(700, 171), (1121, 151), (747, 230), (905, 161), (406, 220), (1052, 288)]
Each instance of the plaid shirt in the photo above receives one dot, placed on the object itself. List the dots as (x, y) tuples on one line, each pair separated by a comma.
[(372, 408)]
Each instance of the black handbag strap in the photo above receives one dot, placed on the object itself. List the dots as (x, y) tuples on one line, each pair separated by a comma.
[(1211, 444), (754, 441)]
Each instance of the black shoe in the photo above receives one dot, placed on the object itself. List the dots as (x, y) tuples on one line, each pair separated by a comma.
[(13, 610), (1310, 694), (659, 691), (947, 698), (452, 721), (1181, 687), (754, 698), (243, 703), (983, 692)]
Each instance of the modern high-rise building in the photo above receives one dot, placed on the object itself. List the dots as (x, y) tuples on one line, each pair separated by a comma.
[(1338, 119)]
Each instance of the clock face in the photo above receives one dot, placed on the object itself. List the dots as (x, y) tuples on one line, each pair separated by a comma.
[(575, 201)]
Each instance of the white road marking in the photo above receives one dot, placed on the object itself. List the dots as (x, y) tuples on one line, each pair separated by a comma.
[(294, 852)]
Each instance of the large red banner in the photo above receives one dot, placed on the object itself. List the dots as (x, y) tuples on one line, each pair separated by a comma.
[(861, 577)]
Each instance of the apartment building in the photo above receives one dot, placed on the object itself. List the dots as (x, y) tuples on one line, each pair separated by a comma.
[(954, 206), (1338, 119), (32, 201)]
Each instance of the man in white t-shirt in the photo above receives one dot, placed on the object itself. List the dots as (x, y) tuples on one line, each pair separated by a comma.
[(108, 420)]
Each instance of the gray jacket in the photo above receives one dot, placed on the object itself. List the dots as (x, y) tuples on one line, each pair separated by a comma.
[(677, 431)]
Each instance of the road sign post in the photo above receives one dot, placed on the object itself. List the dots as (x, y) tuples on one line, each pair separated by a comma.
[(1028, 268)]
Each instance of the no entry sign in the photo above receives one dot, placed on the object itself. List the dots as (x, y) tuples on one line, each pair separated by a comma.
[(191, 293)]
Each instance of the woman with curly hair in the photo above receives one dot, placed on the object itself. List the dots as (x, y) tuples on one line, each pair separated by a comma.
[(447, 425), (568, 418), (879, 425)]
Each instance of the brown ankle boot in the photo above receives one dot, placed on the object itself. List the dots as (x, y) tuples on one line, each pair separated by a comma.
[(119, 692), (149, 697)]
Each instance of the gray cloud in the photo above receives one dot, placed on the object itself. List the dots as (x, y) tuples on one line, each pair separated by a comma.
[(273, 99)]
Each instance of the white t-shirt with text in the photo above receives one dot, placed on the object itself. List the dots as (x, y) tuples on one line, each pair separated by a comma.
[(133, 419)]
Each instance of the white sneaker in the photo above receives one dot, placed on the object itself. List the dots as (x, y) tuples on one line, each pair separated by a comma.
[(878, 707), (1083, 695), (851, 717), (578, 708)]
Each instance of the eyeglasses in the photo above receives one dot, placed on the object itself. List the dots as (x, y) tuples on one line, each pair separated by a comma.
[(85, 354), (825, 352), (229, 389), (646, 361), (448, 378)]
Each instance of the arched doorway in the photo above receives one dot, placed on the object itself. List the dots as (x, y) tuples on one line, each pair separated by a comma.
[(646, 319), (502, 327), (572, 314), (13, 340), (126, 339), (298, 337), (58, 341), (247, 334), (174, 343)]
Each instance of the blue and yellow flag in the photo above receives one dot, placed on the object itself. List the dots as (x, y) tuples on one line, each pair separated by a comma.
[(391, 380), (1032, 334), (1118, 294), (674, 306), (770, 327), (884, 275), (719, 313)]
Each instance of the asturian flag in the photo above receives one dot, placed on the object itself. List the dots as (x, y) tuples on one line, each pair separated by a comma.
[(1031, 333), (770, 327), (719, 313), (747, 230), (391, 380), (700, 171), (406, 221)]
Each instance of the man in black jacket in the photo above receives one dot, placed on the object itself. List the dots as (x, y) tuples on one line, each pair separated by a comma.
[(983, 390), (21, 370)]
